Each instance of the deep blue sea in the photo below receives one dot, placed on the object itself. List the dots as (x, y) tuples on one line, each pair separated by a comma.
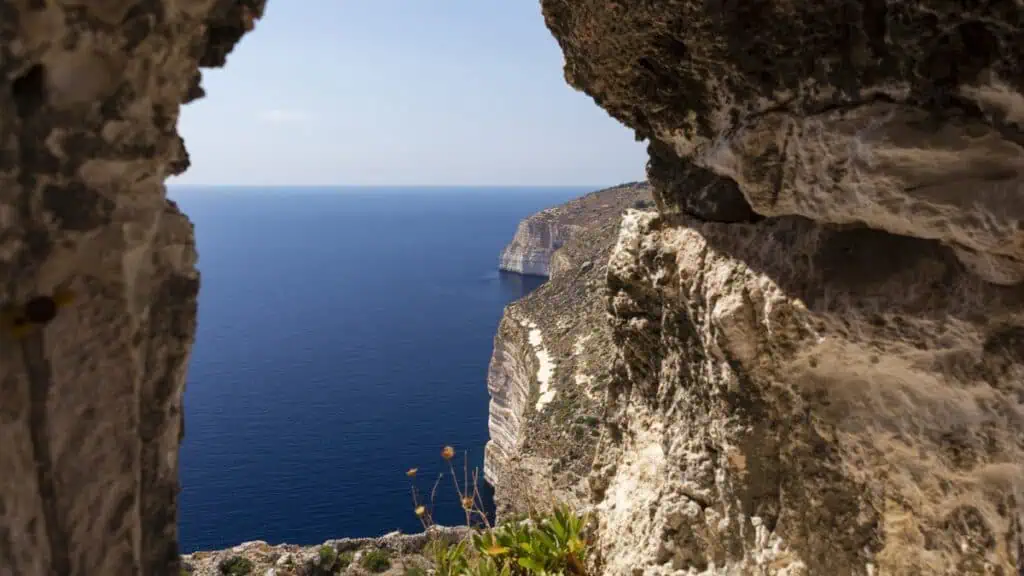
[(344, 337)]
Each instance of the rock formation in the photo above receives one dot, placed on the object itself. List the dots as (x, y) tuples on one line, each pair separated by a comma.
[(90, 403), (539, 236), (552, 356), (820, 339)]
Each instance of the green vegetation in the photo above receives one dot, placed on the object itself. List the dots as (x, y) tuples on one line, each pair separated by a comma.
[(553, 544), (376, 561), (235, 566), (328, 557), (327, 562)]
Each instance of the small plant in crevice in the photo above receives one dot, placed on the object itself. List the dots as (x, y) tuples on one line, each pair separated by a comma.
[(328, 562), (235, 566), (548, 545), (376, 561)]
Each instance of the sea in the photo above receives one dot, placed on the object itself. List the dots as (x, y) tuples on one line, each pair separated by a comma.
[(344, 337)]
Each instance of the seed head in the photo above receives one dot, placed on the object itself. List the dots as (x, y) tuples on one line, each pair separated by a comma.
[(448, 452)]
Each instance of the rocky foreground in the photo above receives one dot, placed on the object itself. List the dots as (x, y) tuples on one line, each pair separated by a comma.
[(390, 555)]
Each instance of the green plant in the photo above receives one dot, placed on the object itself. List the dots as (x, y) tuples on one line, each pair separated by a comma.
[(328, 557), (489, 567), (449, 559), (235, 566), (376, 561), (327, 562), (555, 545)]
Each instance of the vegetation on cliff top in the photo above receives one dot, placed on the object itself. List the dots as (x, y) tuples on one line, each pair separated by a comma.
[(551, 544)]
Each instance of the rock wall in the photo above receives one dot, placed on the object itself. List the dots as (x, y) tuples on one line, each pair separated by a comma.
[(90, 399), (820, 340), (551, 356), (536, 239), (539, 236)]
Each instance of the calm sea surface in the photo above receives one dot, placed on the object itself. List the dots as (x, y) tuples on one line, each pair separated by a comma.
[(344, 336)]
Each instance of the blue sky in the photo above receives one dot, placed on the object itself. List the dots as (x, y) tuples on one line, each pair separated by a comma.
[(401, 92)]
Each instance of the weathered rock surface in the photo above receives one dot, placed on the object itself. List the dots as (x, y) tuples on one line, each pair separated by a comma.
[(820, 340), (538, 237), (552, 356), (90, 404), (406, 551)]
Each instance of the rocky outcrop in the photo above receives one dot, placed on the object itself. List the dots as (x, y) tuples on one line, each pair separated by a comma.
[(531, 248), (538, 237), (552, 354), (820, 340), (90, 398), (405, 551)]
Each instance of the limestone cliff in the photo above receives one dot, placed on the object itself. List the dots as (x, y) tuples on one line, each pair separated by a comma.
[(818, 343), (90, 400), (551, 358), (538, 237), (820, 340)]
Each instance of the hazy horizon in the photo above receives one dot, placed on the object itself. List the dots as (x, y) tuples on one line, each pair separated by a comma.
[(401, 93)]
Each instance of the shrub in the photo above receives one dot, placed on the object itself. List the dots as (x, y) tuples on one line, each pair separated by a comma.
[(376, 561), (554, 544), (327, 563), (449, 559), (235, 566)]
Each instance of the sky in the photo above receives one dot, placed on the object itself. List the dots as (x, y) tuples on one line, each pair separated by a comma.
[(401, 92)]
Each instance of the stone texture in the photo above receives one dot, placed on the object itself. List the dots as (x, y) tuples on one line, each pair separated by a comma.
[(539, 236), (902, 116), (90, 404), (819, 356)]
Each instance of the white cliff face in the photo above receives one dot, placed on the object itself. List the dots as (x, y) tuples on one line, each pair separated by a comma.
[(510, 376), (535, 247), (551, 354), (536, 240)]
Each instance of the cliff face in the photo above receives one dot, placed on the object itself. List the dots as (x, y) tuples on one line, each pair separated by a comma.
[(90, 403), (820, 340), (531, 248), (539, 237), (552, 354)]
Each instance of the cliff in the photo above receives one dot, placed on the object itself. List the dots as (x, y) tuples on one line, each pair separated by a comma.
[(538, 237), (552, 357), (90, 392), (819, 340), (816, 344)]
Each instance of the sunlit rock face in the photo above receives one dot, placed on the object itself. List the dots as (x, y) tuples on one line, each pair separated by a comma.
[(90, 402), (533, 250), (820, 338), (552, 355)]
